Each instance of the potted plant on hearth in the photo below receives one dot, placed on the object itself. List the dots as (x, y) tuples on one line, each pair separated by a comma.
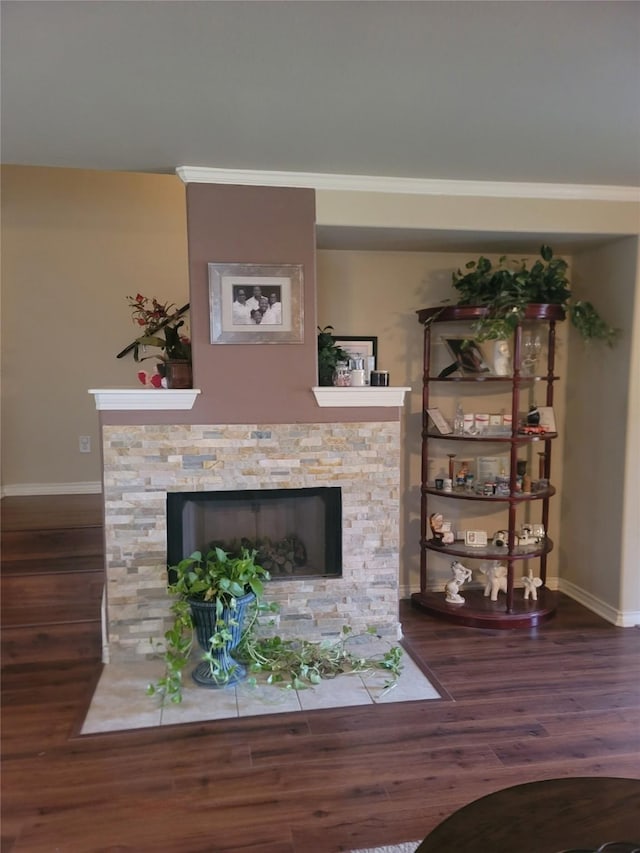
[(163, 326), (506, 290), (212, 593), (218, 597)]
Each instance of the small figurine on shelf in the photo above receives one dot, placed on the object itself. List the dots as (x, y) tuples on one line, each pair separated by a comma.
[(501, 538), (436, 522), (527, 536), (461, 477), (531, 585), (461, 574), (533, 416), (501, 358), (441, 531), (496, 580)]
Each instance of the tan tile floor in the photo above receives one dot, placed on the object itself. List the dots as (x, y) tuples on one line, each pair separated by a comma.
[(120, 701)]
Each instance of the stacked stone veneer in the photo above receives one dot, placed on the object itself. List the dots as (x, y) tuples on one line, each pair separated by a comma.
[(143, 463)]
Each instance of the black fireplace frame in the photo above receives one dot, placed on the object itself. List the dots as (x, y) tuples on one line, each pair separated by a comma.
[(331, 497)]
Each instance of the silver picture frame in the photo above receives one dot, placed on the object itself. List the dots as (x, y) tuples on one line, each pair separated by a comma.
[(229, 325)]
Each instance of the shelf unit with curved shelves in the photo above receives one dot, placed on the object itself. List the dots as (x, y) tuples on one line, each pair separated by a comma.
[(511, 609)]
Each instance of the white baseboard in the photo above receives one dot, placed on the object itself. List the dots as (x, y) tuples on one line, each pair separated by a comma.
[(619, 618), (20, 489)]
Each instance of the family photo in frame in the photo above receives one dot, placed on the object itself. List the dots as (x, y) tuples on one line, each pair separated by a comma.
[(256, 303)]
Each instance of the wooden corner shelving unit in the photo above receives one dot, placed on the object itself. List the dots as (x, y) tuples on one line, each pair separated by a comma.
[(510, 610)]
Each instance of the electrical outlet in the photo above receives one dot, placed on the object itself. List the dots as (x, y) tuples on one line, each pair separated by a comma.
[(84, 443)]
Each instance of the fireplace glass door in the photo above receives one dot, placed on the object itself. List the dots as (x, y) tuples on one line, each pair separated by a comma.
[(296, 532)]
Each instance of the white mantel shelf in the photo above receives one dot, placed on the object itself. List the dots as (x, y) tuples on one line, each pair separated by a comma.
[(144, 399), (367, 396), (165, 399)]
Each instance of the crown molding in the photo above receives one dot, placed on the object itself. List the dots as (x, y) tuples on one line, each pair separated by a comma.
[(407, 186)]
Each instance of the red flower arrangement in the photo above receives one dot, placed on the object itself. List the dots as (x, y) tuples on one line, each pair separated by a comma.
[(154, 317)]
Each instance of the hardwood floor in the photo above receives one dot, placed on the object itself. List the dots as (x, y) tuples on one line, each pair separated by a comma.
[(560, 700)]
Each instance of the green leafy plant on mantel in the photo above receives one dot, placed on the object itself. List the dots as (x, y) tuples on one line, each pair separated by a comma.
[(293, 663), (329, 354), (505, 291)]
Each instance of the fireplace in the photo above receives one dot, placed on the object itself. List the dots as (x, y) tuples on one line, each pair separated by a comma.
[(355, 463), (296, 532)]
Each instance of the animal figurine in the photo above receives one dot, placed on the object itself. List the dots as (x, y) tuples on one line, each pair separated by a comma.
[(496, 580), (531, 585), (452, 588), (525, 537)]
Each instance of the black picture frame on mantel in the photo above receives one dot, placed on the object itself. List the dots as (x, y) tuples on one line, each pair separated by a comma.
[(359, 345)]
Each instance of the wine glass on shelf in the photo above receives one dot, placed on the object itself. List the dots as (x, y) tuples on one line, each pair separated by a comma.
[(531, 349)]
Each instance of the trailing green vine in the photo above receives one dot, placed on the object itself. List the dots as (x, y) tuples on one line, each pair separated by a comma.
[(178, 643), (298, 664), (293, 664)]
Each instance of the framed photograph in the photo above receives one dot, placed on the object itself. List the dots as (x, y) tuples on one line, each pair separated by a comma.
[(439, 420), (256, 303), (357, 346), (468, 356), (475, 538), (490, 467), (354, 345)]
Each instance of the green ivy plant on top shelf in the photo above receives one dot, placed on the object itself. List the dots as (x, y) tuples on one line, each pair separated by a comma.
[(505, 291)]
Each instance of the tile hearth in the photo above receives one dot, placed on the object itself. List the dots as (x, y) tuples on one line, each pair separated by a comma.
[(120, 702)]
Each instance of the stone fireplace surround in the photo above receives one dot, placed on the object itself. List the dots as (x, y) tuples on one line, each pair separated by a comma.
[(142, 463)]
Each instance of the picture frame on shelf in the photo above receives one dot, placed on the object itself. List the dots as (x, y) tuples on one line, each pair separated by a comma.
[(488, 468), (236, 297), (440, 421), (366, 347), (468, 357), (475, 538)]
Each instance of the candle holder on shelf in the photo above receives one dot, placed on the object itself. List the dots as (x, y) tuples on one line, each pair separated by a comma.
[(451, 456)]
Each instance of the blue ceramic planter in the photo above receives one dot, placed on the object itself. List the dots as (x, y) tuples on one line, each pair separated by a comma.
[(204, 619)]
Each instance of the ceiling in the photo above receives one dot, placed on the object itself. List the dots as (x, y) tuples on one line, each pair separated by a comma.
[(496, 91)]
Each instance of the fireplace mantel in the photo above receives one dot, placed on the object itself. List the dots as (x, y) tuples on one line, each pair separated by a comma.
[(144, 399), (165, 399), (363, 396)]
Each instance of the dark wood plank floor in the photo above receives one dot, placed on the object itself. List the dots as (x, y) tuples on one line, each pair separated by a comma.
[(560, 700)]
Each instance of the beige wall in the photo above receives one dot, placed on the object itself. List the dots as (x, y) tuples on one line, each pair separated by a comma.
[(473, 213), (598, 527), (75, 244)]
